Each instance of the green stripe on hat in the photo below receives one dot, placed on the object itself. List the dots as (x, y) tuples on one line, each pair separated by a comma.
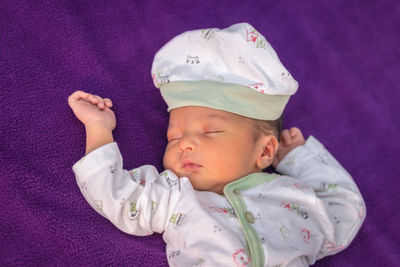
[(229, 97)]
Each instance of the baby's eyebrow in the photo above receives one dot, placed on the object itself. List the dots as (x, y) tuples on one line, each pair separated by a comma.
[(217, 116)]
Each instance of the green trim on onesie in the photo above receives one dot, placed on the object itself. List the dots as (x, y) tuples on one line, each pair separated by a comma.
[(232, 193), (229, 97)]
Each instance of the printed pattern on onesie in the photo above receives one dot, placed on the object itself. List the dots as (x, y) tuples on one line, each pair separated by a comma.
[(205, 233)]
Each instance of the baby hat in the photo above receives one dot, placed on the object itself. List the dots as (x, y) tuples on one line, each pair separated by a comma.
[(233, 69)]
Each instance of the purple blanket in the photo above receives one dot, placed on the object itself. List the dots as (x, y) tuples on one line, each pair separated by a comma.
[(345, 55)]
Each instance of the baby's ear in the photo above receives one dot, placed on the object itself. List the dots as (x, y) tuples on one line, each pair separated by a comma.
[(268, 148)]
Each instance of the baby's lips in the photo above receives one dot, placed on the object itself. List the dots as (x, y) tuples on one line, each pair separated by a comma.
[(188, 164), (186, 161), (191, 166)]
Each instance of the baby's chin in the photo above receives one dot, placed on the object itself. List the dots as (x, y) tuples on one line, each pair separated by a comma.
[(195, 174)]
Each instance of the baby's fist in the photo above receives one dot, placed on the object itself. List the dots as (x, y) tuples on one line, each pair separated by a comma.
[(289, 140), (89, 108)]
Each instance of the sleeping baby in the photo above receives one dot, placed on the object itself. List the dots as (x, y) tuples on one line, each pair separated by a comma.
[(226, 91)]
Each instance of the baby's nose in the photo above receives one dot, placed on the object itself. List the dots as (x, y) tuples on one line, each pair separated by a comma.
[(187, 144), (188, 148)]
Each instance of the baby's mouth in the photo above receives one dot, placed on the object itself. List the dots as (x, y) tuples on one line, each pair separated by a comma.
[(191, 166)]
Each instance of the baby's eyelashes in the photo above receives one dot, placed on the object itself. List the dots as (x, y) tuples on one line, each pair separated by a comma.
[(211, 132), (173, 139)]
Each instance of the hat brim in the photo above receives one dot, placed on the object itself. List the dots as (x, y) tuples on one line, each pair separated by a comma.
[(229, 97)]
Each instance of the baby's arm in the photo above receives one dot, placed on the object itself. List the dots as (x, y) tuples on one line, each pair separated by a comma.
[(95, 113), (127, 198), (336, 209)]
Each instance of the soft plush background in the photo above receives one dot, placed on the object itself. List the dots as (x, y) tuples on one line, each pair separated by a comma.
[(345, 55)]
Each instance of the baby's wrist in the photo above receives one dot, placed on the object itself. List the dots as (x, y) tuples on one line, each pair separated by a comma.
[(98, 133), (99, 125)]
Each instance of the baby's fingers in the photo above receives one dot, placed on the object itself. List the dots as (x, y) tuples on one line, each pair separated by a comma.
[(97, 100), (77, 95), (285, 137), (108, 102), (294, 131), (94, 99), (296, 134)]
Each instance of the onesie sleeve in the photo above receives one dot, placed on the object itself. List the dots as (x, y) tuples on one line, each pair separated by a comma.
[(342, 208), (137, 202)]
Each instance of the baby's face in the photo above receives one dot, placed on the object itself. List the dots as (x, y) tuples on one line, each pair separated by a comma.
[(211, 147)]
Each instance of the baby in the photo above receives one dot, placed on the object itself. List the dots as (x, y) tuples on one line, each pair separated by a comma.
[(226, 91)]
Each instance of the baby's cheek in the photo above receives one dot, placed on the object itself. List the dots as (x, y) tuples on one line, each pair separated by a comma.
[(170, 160), (227, 165), (167, 159)]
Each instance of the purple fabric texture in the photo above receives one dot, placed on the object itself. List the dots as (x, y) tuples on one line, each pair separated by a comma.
[(345, 55)]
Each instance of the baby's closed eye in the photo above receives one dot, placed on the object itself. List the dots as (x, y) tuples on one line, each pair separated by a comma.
[(213, 131), (173, 138), (173, 135)]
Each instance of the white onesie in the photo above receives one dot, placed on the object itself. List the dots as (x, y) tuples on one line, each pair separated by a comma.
[(313, 210)]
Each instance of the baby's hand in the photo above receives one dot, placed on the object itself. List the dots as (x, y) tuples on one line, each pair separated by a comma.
[(289, 140), (90, 108)]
